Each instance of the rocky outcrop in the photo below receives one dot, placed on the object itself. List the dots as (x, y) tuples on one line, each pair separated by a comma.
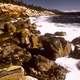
[(76, 52), (55, 46), (44, 69), (22, 45), (76, 41), (17, 36)]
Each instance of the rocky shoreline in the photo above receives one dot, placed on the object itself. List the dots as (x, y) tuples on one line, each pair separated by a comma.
[(22, 45)]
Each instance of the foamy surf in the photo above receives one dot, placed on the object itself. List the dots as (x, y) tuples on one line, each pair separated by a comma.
[(72, 30)]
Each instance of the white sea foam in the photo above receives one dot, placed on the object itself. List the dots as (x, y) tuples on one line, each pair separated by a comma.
[(70, 65), (72, 30)]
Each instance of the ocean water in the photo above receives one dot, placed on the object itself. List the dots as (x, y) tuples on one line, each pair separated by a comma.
[(72, 31)]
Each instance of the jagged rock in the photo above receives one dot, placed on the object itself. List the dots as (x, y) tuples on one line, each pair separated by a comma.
[(55, 46), (16, 36), (11, 53), (43, 64), (35, 41), (39, 63), (10, 28), (12, 73), (44, 69)]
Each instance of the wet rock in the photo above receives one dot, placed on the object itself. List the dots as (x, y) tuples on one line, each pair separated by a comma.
[(59, 33), (55, 46), (76, 52)]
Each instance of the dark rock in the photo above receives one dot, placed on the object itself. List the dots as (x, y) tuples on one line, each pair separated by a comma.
[(78, 65), (76, 52), (76, 41), (55, 46), (39, 63), (10, 28), (59, 33), (43, 64), (44, 69)]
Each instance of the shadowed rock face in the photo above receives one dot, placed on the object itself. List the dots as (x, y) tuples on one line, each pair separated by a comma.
[(55, 46), (76, 41), (42, 64), (76, 52), (78, 65), (42, 68)]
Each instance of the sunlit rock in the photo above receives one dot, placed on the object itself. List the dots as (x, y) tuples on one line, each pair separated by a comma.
[(12, 73)]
